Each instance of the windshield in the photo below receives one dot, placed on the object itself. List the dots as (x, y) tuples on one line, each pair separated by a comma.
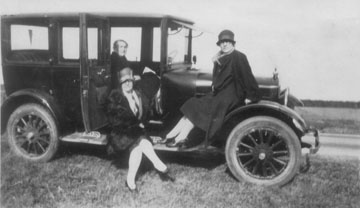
[(178, 43)]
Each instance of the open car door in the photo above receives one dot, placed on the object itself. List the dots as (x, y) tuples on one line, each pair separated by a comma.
[(95, 69)]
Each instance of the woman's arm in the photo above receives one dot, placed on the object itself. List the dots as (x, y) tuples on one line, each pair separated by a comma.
[(245, 78)]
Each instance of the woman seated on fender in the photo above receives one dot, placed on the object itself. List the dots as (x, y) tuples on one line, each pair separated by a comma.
[(126, 110)]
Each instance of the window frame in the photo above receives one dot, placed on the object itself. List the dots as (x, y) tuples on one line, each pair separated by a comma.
[(60, 56), (6, 36)]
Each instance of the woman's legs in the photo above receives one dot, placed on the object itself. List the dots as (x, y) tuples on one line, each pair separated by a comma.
[(134, 163), (176, 130), (181, 130), (135, 159), (185, 130), (148, 150)]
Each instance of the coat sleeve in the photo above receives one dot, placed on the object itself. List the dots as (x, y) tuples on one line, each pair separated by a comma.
[(117, 64), (245, 78), (145, 105)]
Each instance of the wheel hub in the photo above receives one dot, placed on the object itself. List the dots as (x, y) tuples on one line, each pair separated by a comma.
[(30, 135), (262, 155), (263, 152)]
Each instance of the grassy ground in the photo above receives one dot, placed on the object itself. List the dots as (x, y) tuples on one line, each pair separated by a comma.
[(84, 176)]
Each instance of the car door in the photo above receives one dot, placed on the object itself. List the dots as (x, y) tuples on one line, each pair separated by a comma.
[(95, 69)]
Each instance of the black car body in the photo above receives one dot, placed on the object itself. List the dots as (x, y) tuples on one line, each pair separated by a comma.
[(56, 79)]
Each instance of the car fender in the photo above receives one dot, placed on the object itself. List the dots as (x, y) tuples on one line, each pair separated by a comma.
[(294, 101), (284, 113), (30, 95)]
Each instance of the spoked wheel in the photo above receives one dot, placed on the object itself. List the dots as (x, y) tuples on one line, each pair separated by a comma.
[(263, 150), (32, 133)]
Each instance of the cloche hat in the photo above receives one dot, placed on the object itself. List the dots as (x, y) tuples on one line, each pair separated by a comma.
[(226, 35), (125, 75)]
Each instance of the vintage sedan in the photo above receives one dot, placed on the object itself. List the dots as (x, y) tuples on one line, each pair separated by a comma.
[(56, 70)]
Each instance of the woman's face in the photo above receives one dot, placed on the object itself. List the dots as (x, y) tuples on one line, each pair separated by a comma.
[(226, 46), (127, 86), (122, 48)]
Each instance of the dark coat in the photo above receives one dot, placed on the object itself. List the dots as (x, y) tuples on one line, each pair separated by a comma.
[(233, 82), (126, 131), (117, 64)]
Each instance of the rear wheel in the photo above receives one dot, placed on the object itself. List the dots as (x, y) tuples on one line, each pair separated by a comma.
[(32, 133), (263, 150)]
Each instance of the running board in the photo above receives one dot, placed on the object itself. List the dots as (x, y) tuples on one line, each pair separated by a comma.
[(92, 137), (198, 148)]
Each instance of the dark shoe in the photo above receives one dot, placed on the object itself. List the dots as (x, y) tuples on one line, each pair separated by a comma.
[(167, 140), (166, 175), (184, 145), (135, 190), (176, 144)]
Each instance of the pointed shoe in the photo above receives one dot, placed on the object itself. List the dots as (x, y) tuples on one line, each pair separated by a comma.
[(166, 175), (176, 144), (167, 140)]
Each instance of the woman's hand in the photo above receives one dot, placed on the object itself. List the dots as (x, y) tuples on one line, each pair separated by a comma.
[(137, 77)]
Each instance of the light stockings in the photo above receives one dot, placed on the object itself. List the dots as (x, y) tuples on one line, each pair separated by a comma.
[(181, 130), (135, 159), (176, 130), (134, 163)]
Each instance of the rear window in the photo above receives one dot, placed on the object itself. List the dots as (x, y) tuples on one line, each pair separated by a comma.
[(28, 37), (29, 43)]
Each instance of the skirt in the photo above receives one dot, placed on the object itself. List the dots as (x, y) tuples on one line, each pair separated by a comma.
[(122, 140), (208, 112)]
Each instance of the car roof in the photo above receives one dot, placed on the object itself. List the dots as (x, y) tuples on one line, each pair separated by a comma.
[(102, 14)]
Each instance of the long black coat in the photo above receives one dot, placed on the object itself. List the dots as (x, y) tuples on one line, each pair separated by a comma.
[(117, 64), (126, 131), (233, 82)]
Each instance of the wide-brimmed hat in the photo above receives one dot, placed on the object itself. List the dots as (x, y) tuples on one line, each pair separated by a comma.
[(125, 75), (226, 35)]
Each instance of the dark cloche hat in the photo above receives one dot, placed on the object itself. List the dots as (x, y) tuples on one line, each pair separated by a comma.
[(226, 35)]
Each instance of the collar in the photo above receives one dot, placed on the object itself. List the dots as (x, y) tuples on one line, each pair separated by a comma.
[(221, 54)]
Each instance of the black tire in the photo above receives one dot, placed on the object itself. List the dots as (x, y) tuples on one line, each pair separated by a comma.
[(263, 150), (32, 133)]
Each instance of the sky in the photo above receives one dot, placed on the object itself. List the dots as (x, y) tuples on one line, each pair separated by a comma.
[(313, 44)]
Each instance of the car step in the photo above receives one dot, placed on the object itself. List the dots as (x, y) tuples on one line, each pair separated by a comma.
[(93, 137), (197, 148)]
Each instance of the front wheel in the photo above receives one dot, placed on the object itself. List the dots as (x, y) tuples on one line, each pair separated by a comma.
[(32, 133), (263, 150)]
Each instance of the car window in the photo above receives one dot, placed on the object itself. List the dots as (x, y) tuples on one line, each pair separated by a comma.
[(156, 44), (28, 43), (24, 37), (70, 43), (178, 39), (132, 35)]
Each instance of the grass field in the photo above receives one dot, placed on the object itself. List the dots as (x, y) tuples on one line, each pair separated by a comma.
[(332, 120), (84, 176)]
